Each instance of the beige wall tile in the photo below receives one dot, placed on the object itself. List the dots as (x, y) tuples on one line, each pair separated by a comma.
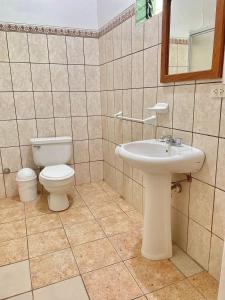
[(59, 78), (151, 32), (184, 135), (11, 188), (137, 70), (18, 47), (199, 243), (76, 78), (63, 126), (5, 79), (201, 203), (82, 172), (222, 122), (209, 146), (57, 49), (27, 157), (46, 127), (78, 104), (7, 111), (92, 78), (43, 104), (93, 103), (109, 46), (179, 229), (27, 130), (95, 148), (11, 158), (137, 36), (117, 41), (137, 103), (81, 152), (91, 51), (126, 37), (183, 107), (2, 187), (180, 201), (165, 94), (118, 75), (220, 180), (24, 105), (41, 77), (21, 77), (207, 111), (3, 47), (218, 215), (79, 126), (127, 71), (61, 103), (96, 170), (8, 134), (151, 67), (216, 255), (75, 51), (95, 127), (38, 48)]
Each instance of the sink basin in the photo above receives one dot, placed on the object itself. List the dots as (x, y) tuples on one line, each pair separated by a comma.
[(154, 156), (159, 161)]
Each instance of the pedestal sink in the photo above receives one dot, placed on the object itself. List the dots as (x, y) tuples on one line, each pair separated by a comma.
[(159, 161)]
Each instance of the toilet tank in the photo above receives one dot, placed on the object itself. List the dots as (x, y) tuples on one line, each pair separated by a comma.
[(51, 151)]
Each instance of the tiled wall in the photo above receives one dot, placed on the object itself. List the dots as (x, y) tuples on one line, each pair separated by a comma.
[(130, 72), (49, 86)]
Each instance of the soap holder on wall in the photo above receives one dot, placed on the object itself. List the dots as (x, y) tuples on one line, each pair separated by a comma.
[(159, 108)]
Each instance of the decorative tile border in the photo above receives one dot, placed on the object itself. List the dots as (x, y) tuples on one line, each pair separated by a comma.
[(179, 41), (122, 17), (49, 30)]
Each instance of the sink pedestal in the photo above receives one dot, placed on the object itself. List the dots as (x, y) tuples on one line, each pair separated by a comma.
[(157, 241)]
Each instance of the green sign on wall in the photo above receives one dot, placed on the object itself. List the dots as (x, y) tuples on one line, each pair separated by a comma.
[(145, 9)]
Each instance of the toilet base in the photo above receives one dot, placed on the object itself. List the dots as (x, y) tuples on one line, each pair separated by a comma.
[(58, 202)]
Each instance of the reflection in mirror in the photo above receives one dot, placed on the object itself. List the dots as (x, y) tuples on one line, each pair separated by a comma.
[(192, 31)]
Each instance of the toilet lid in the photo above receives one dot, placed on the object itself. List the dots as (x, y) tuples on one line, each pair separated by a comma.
[(57, 172)]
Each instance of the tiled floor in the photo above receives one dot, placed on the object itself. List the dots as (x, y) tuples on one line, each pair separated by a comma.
[(91, 251)]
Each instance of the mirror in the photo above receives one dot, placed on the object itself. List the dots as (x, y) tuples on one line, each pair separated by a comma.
[(192, 39)]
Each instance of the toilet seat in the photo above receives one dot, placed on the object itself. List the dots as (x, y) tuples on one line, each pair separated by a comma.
[(57, 173)]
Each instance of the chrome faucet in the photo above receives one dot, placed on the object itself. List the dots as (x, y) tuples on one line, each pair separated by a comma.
[(171, 141)]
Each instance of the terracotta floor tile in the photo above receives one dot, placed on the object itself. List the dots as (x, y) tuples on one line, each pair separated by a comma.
[(43, 223), (103, 284), (206, 285), (127, 244), (96, 198), (95, 255), (13, 251), (12, 214), (11, 231), (88, 187), (10, 202), (51, 268), (136, 217), (105, 209), (37, 207), (117, 224), (180, 291), (153, 275), (46, 242), (75, 215), (123, 204), (84, 232), (75, 199)]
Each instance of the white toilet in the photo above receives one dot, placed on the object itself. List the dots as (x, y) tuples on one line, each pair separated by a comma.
[(57, 178)]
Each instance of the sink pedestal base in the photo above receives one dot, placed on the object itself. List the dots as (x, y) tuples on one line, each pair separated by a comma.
[(157, 241)]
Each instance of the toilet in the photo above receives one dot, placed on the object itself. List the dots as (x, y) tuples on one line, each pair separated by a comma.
[(57, 178)]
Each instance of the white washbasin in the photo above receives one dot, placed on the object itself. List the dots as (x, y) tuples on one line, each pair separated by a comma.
[(154, 156), (158, 161)]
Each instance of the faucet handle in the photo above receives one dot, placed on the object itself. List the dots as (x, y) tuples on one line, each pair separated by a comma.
[(178, 141), (166, 137)]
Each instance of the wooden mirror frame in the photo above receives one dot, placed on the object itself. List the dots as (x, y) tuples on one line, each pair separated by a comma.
[(218, 49)]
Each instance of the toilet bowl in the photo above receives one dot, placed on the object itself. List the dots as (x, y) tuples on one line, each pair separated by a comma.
[(57, 180)]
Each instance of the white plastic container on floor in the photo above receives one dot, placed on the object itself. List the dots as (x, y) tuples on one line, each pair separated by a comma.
[(27, 184)]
